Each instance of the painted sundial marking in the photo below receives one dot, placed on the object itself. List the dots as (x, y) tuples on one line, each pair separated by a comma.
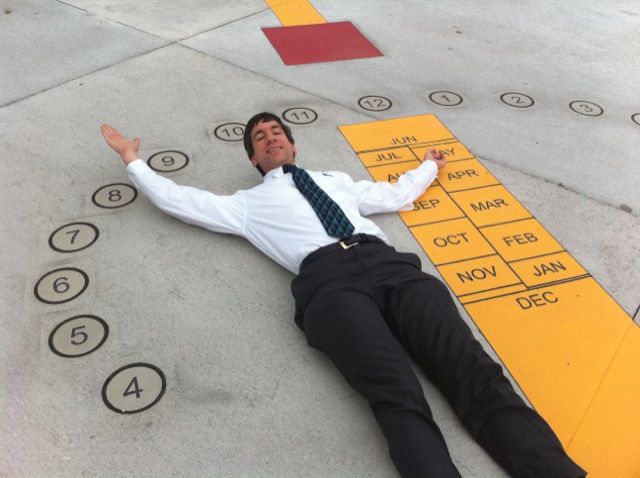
[(61, 285), (517, 100), (445, 98), (636, 118), (134, 388), (79, 335), (586, 108), (73, 237), (299, 115), (375, 103), (115, 195), (168, 161), (229, 131)]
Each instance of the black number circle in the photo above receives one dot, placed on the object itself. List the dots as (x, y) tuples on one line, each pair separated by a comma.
[(73, 237), (78, 336), (114, 195), (517, 100), (60, 281), (229, 132), (586, 108), (375, 103), (445, 98), (168, 161), (636, 118), (299, 115), (134, 388)]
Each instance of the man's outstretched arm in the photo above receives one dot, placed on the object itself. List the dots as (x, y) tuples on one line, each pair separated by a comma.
[(194, 206), (383, 196)]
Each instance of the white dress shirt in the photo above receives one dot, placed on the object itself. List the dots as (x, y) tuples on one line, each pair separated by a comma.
[(274, 216)]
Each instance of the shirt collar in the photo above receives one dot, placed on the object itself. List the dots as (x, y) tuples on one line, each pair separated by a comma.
[(273, 174)]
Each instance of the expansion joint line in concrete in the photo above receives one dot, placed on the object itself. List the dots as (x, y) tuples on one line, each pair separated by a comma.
[(599, 386), (84, 75), (282, 83), (560, 185)]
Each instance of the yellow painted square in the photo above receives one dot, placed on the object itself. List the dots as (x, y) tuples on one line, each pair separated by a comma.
[(557, 342), (467, 174), (295, 12), (490, 205), (451, 241), (434, 205), (520, 240), (392, 172), (549, 268), (387, 156), (475, 275), (395, 132), (607, 444)]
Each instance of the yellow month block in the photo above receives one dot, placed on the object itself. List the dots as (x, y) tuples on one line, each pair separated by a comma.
[(477, 275), (395, 132), (557, 342), (607, 443), (451, 241), (387, 156), (467, 174), (452, 150), (520, 240), (490, 205), (392, 172), (434, 205), (549, 268), (295, 12)]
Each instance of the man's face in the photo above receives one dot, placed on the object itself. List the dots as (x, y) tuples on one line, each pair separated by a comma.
[(271, 148)]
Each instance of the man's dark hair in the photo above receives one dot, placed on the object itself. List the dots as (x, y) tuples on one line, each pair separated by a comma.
[(253, 122)]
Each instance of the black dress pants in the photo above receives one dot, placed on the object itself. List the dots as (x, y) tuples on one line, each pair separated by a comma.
[(368, 308)]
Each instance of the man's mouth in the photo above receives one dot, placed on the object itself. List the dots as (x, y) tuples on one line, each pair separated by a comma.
[(275, 148)]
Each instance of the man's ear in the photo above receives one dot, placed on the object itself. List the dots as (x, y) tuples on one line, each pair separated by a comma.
[(254, 162)]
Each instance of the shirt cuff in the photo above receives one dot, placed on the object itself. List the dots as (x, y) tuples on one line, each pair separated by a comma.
[(431, 167), (137, 167)]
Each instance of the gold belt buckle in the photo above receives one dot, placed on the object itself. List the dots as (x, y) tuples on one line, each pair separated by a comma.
[(348, 246)]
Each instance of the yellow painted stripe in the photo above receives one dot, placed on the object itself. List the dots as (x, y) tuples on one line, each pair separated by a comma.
[(572, 349), (295, 12)]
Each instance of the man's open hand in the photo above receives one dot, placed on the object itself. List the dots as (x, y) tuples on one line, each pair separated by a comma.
[(128, 150), (437, 156)]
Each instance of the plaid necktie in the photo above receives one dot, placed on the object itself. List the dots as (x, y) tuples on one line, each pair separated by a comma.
[(330, 214)]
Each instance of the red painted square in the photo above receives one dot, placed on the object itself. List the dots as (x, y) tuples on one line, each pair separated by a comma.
[(302, 44)]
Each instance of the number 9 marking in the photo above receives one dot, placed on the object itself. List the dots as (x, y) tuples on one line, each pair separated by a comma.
[(168, 161)]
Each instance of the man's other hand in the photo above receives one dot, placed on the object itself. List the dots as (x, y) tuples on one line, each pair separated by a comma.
[(436, 156), (127, 149)]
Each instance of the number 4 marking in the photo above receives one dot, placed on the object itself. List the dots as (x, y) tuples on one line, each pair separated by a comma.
[(136, 388)]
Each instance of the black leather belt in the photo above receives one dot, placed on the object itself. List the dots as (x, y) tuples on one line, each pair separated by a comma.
[(341, 244)]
